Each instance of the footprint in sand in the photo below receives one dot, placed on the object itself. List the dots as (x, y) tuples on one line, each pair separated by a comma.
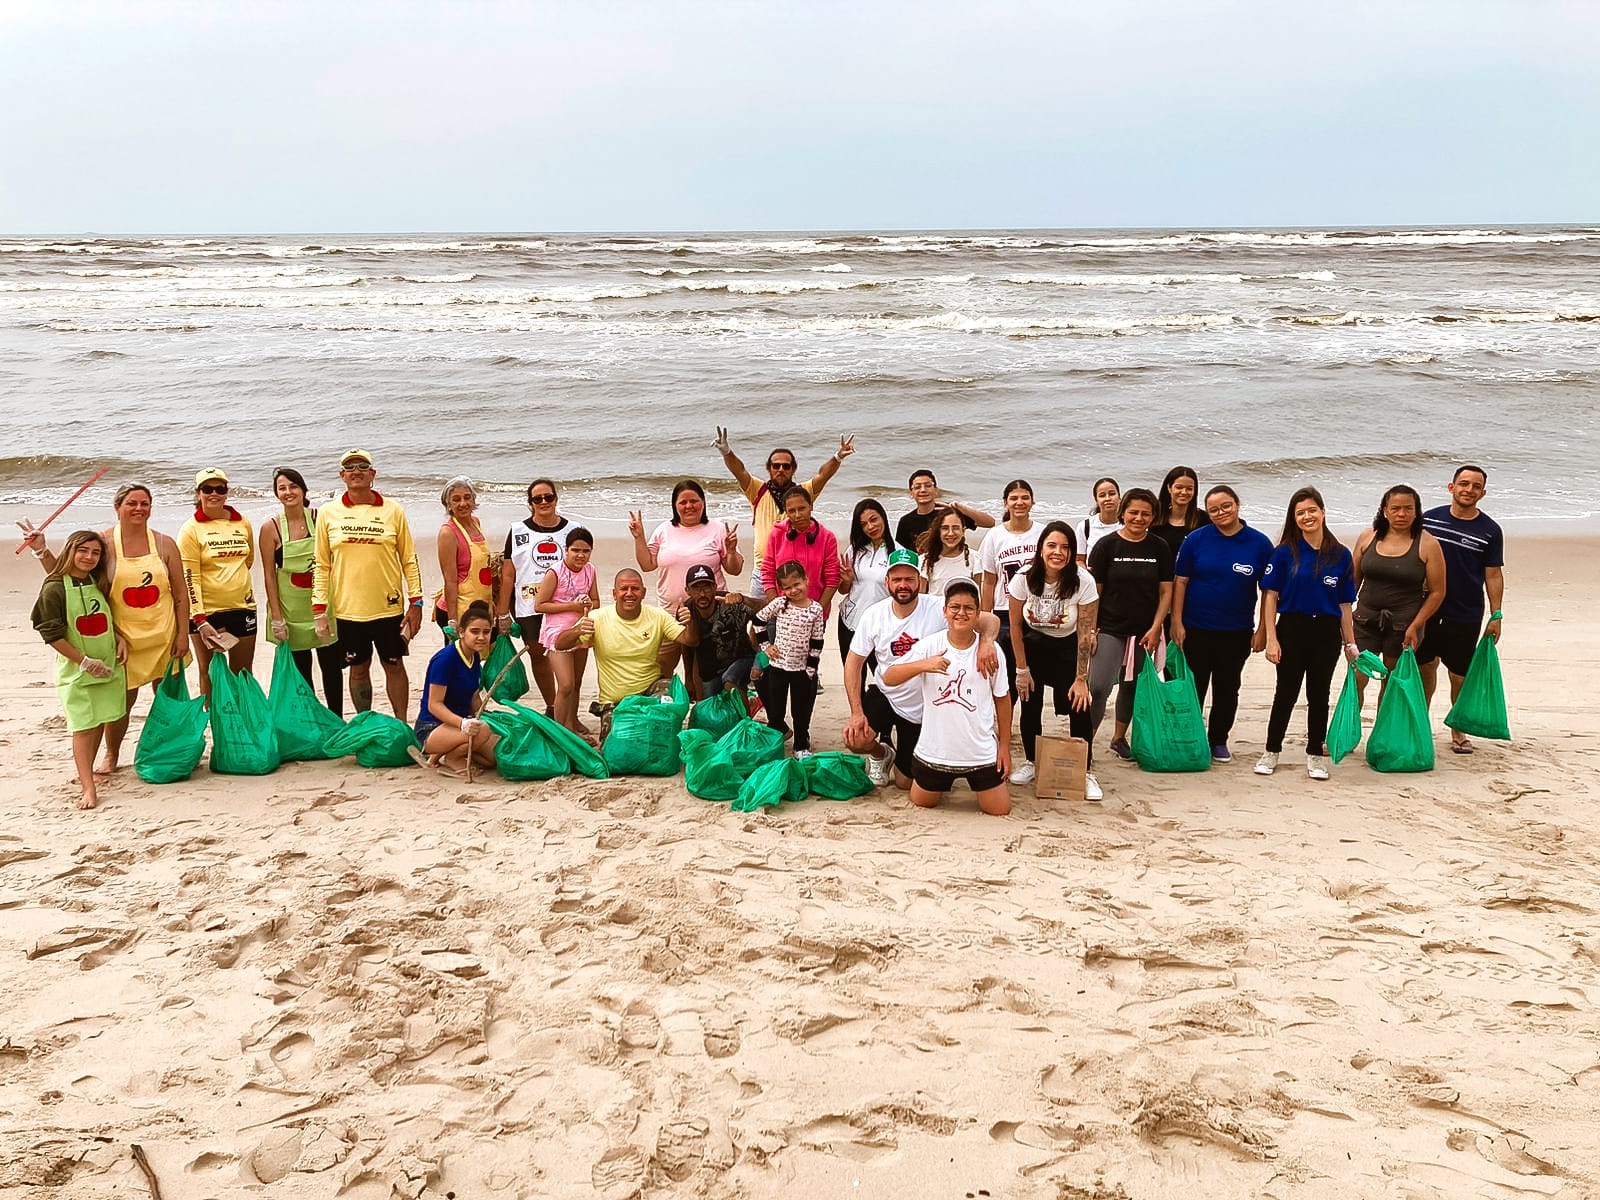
[(681, 1147), (295, 1056), (619, 1174), (640, 1029), (722, 1038)]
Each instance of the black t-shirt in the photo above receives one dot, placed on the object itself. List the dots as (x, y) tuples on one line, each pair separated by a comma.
[(914, 524), (724, 639), (1129, 575), (1171, 536)]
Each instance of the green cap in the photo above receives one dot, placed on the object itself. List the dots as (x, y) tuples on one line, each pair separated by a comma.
[(903, 558)]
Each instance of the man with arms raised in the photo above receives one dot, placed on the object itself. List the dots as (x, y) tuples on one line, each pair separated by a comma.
[(1474, 558), (365, 576), (627, 638)]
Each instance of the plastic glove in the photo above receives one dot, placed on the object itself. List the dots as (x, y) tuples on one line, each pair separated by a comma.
[(280, 630), (93, 666)]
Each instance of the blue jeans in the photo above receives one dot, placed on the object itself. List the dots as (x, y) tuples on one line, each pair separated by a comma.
[(737, 677)]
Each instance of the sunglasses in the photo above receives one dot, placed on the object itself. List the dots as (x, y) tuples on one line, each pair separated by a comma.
[(214, 489), (544, 498)]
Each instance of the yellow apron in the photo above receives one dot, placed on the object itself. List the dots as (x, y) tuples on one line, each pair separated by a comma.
[(479, 583), (141, 605)]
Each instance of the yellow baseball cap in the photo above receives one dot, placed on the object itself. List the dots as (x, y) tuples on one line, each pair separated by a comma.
[(350, 456), (210, 475)]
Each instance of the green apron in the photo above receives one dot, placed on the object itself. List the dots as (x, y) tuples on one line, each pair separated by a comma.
[(294, 587), (89, 702)]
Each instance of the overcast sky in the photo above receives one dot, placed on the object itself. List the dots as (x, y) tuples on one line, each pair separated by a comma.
[(355, 116)]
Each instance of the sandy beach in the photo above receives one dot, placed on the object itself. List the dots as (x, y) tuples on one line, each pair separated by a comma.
[(335, 982)]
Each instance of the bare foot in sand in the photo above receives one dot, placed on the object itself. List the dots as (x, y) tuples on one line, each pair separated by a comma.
[(88, 799), (105, 769)]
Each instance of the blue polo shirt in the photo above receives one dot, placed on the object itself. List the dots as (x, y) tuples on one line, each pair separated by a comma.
[(460, 682), (1305, 587), (1223, 573)]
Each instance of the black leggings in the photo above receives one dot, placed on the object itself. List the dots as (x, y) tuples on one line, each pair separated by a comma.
[(1216, 658), (331, 660), (780, 689), (1052, 663), (1310, 652)]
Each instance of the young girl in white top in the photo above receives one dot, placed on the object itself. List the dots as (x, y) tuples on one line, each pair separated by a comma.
[(945, 553), (566, 595), (790, 631), (1103, 520)]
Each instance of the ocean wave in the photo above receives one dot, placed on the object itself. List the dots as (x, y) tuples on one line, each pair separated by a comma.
[(1486, 316), (464, 277), (1331, 466), (1163, 280)]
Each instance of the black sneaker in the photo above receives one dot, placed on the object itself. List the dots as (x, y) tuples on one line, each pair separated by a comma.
[(1120, 747)]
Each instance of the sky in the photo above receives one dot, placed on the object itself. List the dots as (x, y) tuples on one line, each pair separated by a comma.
[(587, 115)]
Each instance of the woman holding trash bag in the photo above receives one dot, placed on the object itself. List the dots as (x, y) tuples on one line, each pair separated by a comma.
[(1133, 571), (1399, 576), (1053, 609), (73, 615), (1307, 595), (218, 549), (1214, 600), (464, 559), (289, 542), (448, 726), (149, 604)]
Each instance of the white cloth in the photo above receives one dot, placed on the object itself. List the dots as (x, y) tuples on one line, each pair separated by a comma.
[(1002, 555), (871, 568), (1092, 530), (891, 638), (957, 705), (1049, 614)]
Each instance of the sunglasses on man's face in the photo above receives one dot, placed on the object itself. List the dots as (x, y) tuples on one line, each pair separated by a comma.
[(214, 489)]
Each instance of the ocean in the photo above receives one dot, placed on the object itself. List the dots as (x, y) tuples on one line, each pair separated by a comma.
[(1267, 359)]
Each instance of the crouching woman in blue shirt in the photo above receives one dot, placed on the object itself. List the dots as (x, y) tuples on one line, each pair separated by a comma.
[(1214, 592), (448, 724), (1307, 599)]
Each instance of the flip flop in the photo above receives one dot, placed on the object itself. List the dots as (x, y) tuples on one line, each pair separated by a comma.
[(1462, 747)]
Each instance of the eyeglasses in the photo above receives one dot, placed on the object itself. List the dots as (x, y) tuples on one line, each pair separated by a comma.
[(547, 498), (214, 489)]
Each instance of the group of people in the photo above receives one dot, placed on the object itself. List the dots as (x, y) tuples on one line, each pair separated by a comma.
[(938, 638)]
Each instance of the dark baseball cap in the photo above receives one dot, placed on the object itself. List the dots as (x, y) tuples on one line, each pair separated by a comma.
[(700, 574)]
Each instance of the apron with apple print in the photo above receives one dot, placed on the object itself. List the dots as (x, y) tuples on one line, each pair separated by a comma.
[(294, 586), (141, 603), (87, 701)]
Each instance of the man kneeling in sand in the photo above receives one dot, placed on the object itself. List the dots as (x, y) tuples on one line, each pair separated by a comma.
[(966, 719), (627, 638)]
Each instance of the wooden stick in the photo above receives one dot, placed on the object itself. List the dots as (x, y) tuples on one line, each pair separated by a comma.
[(65, 504), (469, 758), (143, 1163)]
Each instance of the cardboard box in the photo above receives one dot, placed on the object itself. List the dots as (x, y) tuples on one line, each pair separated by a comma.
[(1061, 763)]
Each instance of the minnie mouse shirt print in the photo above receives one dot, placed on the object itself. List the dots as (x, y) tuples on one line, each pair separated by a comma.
[(957, 706)]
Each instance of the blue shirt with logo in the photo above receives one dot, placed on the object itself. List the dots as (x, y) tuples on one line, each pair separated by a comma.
[(1470, 548), (1223, 573), (1305, 587)]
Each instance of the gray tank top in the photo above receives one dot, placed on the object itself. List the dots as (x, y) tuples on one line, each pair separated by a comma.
[(1393, 584)]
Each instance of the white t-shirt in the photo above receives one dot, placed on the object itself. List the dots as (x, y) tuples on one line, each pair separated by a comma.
[(957, 566), (890, 637), (871, 567), (679, 547), (957, 705), (1049, 614), (533, 551), (1002, 555), (1092, 530)]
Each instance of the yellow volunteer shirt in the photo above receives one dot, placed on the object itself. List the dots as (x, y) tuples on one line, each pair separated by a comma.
[(767, 513), (625, 651), (217, 556), (366, 563)]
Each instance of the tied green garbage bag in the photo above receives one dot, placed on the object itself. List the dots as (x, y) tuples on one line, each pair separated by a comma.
[(718, 714), (834, 775), (750, 744), (376, 739), (708, 772), (644, 736), (1344, 729), (242, 738), (1402, 737), (1480, 709), (174, 736), (515, 684), (525, 750), (677, 698), (301, 722), (1169, 734), (772, 784), (583, 759)]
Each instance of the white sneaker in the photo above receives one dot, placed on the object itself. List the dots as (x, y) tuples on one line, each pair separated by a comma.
[(1024, 773), (1091, 788), (1267, 763), (878, 769), (1316, 766)]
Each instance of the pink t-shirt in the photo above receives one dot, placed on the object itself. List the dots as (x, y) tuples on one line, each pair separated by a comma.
[(679, 547)]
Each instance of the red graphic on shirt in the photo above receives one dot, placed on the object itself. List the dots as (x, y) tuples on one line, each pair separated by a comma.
[(902, 645), (143, 596), (950, 693), (92, 624), (547, 548), (300, 579), (484, 577)]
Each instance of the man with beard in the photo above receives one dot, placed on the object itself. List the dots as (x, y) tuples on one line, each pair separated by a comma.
[(723, 656)]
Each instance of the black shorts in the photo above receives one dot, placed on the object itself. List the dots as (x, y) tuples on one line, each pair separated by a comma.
[(241, 622), (891, 727), (1452, 641), (358, 640), (938, 779), (1383, 633), (530, 627)]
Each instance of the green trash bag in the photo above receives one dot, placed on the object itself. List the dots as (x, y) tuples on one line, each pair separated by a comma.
[(515, 685), (1480, 709), (771, 784), (1402, 736), (750, 744), (1169, 734), (525, 749), (1344, 729), (376, 739), (174, 736), (720, 713), (243, 741), (677, 698), (301, 722), (644, 736), (583, 759), (834, 775), (708, 772)]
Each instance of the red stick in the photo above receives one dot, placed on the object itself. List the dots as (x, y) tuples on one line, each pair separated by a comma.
[(65, 504)]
